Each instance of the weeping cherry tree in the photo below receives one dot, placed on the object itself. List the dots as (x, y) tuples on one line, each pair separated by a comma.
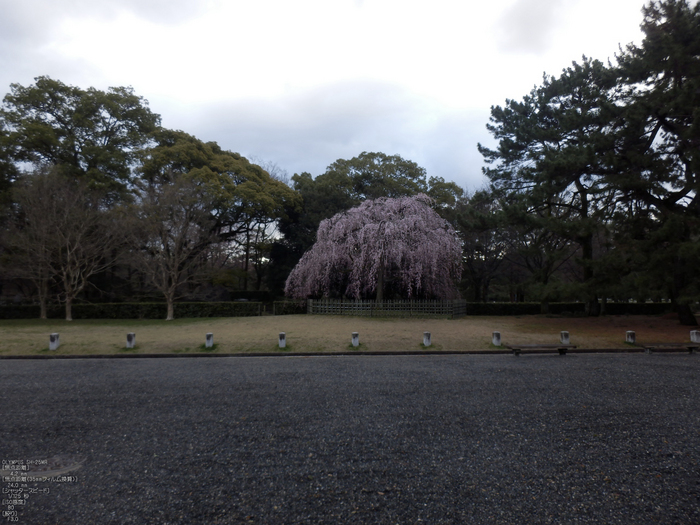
[(397, 244)]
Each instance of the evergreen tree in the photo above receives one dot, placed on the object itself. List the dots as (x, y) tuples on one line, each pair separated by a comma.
[(553, 156), (658, 152)]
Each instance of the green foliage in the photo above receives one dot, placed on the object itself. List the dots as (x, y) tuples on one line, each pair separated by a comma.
[(577, 308), (243, 192), (503, 308), (638, 308), (484, 235), (245, 200), (289, 307), (445, 196), (8, 170), (90, 134), (374, 175)]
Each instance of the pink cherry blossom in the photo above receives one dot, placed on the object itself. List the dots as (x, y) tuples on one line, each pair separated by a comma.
[(400, 243)]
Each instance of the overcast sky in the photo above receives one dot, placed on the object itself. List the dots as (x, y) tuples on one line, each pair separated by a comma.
[(301, 83)]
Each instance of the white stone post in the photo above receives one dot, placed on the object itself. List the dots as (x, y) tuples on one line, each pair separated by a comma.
[(695, 336), (283, 340), (209, 340), (426, 338), (130, 340), (630, 337), (355, 339), (496, 339), (54, 342), (564, 338)]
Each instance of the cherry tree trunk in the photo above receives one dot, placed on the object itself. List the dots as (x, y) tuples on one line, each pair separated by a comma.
[(69, 308), (171, 309)]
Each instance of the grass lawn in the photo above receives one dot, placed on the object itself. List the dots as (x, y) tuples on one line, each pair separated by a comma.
[(316, 333)]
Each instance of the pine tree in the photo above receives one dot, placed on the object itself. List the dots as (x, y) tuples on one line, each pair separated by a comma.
[(554, 153)]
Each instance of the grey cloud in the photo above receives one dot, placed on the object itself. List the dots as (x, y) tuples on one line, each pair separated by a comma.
[(31, 22), (26, 26), (308, 132), (451, 148), (161, 11), (527, 26)]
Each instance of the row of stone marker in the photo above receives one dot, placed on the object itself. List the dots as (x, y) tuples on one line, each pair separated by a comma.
[(630, 337), (564, 339), (55, 342), (355, 339)]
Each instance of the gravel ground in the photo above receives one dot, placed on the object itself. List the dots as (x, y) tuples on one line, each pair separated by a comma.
[(381, 439)]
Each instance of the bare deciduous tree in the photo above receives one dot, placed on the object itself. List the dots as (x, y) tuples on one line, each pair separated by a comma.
[(171, 229), (60, 233)]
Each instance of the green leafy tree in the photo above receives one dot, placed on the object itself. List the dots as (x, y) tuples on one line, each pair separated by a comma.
[(484, 240), (373, 175), (243, 192), (88, 134), (537, 248), (8, 169), (246, 200)]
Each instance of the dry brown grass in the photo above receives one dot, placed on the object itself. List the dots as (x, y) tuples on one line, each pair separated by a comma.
[(307, 333)]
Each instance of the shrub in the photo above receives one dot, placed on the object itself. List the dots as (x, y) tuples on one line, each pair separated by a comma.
[(137, 310), (289, 307)]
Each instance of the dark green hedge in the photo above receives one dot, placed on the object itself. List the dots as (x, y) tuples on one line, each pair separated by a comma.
[(522, 308), (567, 308), (289, 307), (503, 308), (638, 308), (240, 309), (137, 310), (27, 312)]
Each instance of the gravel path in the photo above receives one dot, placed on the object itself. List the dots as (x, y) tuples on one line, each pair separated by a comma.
[(402, 439)]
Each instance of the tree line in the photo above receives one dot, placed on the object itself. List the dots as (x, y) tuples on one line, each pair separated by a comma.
[(592, 195)]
